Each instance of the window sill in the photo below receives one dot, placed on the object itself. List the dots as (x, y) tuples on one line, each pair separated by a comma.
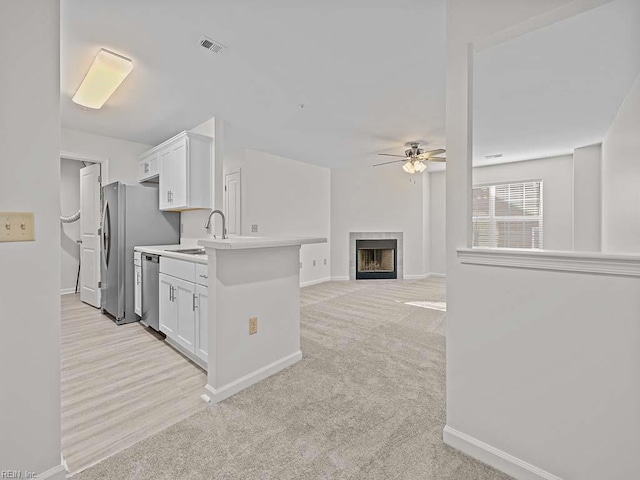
[(581, 262)]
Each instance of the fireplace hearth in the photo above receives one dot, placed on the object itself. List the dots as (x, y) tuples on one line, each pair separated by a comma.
[(376, 259)]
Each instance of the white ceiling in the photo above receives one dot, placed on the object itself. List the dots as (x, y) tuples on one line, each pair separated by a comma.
[(557, 88), (369, 72)]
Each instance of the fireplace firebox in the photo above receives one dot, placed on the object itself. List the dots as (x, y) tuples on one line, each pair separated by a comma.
[(376, 259)]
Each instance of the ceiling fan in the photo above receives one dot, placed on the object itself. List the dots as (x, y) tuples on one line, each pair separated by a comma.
[(414, 158)]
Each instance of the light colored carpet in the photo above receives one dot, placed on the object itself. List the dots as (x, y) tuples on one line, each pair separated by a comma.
[(366, 402)]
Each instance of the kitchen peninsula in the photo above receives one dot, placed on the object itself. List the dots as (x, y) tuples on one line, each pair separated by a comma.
[(253, 310)]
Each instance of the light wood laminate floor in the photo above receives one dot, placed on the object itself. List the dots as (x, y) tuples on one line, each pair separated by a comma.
[(120, 384)]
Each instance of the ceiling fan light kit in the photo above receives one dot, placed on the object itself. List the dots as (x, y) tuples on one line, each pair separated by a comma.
[(414, 158)]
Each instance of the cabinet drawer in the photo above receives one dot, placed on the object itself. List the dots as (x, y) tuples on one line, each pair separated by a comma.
[(202, 274), (178, 268)]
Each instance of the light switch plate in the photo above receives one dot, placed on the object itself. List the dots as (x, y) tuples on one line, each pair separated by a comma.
[(254, 228), (17, 227)]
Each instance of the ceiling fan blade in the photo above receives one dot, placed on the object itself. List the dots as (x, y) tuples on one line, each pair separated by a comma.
[(436, 159), (387, 163), (431, 153), (391, 155)]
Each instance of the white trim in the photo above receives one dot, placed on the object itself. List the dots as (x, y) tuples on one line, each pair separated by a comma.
[(340, 279), (534, 23), (56, 473), (80, 157), (314, 282), (194, 358), (494, 457), (67, 291), (581, 262), (213, 395), (416, 277), (437, 275)]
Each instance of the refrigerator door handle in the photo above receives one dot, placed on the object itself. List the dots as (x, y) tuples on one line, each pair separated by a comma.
[(105, 236)]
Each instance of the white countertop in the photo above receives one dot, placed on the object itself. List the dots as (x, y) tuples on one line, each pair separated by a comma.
[(164, 251), (239, 243)]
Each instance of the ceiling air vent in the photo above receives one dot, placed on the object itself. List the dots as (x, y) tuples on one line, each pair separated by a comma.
[(212, 45)]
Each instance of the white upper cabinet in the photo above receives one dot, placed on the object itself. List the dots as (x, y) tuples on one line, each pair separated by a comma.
[(185, 172), (149, 166)]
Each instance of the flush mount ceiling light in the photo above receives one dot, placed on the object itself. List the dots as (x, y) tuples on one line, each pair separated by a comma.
[(105, 75)]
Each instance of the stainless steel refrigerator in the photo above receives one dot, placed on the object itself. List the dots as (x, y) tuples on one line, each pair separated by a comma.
[(130, 217)]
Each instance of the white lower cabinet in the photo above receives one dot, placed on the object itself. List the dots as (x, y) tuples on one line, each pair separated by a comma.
[(184, 308), (168, 306), (137, 273), (202, 314)]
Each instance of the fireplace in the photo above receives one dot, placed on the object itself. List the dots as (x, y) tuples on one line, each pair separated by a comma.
[(376, 259)]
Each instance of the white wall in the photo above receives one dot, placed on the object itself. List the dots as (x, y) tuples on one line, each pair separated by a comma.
[(30, 271), (550, 377), (286, 197), (587, 198), (69, 232), (381, 199), (438, 224), (122, 155), (556, 174), (621, 178)]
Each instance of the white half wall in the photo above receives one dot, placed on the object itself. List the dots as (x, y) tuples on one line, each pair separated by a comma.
[(548, 378), (123, 155), (381, 199), (621, 178), (69, 232), (283, 196), (30, 271)]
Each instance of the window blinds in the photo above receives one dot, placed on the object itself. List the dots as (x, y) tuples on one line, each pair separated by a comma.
[(508, 215)]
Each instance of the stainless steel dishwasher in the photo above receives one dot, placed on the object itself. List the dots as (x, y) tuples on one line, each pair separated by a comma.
[(150, 291)]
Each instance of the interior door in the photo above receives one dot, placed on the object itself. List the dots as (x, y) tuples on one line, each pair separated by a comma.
[(232, 201), (89, 235)]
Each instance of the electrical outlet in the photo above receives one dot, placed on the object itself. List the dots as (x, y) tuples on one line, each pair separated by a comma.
[(16, 227), (253, 325), (301, 265), (314, 263), (254, 228)]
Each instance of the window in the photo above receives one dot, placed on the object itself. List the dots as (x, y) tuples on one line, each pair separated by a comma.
[(508, 215)]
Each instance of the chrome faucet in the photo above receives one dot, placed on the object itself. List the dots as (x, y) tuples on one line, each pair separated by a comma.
[(224, 228)]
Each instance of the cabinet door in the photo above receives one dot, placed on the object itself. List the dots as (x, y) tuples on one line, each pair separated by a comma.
[(180, 175), (202, 322), (168, 307), (154, 165), (138, 290), (143, 166), (185, 297), (166, 177)]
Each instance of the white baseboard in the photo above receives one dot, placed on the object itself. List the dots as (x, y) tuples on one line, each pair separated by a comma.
[(339, 279), (315, 282), (424, 275), (496, 458), (416, 277), (56, 473), (215, 395), (67, 291)]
